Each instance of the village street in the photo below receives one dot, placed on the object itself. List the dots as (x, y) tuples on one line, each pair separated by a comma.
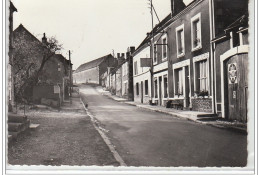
[(145, 138)]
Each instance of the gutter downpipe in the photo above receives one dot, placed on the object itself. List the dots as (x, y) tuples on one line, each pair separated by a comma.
[(212, 51)]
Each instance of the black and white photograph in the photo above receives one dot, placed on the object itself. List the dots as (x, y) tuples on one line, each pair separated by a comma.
[(114, 85)]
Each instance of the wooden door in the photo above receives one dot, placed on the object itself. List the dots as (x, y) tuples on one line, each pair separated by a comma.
[(236, 83)]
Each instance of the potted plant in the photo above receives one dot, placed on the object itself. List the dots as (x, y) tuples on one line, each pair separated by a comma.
[(202, 93)]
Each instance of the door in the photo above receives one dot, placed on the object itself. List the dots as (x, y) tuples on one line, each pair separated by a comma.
[(142, 92), (160, 91), (236, 83)]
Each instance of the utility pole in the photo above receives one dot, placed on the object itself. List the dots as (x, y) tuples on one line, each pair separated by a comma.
[(70, 77), (152, 55)]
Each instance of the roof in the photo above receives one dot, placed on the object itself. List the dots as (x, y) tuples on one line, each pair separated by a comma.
[(165, 22), (12, 7), (92, 64), (155, 30), (62, 58), (59, 56), (22, 28)]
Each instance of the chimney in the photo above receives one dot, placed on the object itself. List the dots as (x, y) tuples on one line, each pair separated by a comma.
[(123, 55), (44, 39), (118, 55), (127, 54), (177, 6), (132, 49)]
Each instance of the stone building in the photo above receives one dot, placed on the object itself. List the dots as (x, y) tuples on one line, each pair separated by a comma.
[(32, 84)]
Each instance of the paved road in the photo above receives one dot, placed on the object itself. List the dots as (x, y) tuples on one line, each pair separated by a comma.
[(145, 138)]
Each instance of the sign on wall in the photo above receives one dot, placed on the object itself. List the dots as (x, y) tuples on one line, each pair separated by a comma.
[(56, 89), (145, 62), (232, 73)]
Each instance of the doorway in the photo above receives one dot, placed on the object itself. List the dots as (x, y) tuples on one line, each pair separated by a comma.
[(236, 87)]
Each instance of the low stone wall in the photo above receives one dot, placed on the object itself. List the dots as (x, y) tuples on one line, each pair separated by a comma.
[(202, 104)]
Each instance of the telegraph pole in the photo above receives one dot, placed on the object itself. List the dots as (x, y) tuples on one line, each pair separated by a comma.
[(152, 55), (70, 77)]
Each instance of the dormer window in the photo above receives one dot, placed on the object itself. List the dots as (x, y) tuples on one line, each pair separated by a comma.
[(196, 32)]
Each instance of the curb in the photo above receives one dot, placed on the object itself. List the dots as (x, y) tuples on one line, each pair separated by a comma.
[(231, 128)]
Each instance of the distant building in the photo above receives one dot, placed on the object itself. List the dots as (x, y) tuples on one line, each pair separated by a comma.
[(91, 72), (231, 66)]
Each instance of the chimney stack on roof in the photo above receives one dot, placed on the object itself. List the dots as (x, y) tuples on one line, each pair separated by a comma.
[(123, 55), (177, 6), (44, 39), (118, 55), (127, 54), (132, 49)]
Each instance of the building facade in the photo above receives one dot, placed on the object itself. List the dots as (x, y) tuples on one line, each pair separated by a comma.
[(28, 60), (142, 73), (231, 52), (91, 72), (181, 52), (12, 9)]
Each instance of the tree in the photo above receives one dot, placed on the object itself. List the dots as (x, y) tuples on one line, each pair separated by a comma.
[(29, 57)]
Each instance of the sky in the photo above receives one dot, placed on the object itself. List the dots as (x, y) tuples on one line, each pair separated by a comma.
[(90, 28)]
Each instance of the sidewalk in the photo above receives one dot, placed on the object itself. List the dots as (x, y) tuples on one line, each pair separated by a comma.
[(199, 117)]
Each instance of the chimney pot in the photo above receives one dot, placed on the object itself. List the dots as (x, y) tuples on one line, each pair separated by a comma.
[(44, 39), (123, 55), (118, 55)]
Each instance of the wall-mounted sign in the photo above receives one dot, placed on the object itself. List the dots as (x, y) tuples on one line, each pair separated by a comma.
[(145, 62), (232, 73), (234, 94), (56, 89)]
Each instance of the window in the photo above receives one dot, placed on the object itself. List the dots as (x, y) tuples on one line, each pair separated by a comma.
[(59, 67), (165, 82), (135, 68), (180, 41), (179, 81), (196, 32), (164, 48), (155, 88), (146, 87), (201, 69), (126, 88), (155, 53), (137, 89), (125, 69)]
